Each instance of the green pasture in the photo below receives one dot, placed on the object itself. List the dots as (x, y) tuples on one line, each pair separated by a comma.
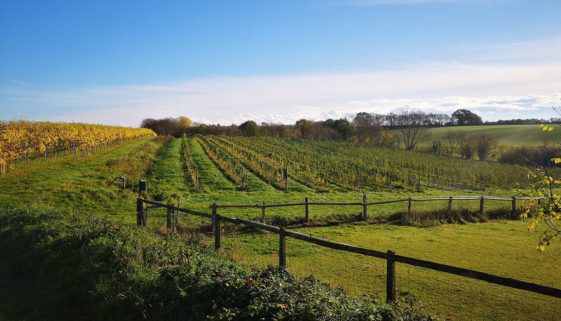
[(503, 248), (508, 135)]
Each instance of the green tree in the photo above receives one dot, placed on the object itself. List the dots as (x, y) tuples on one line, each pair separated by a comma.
[(249, 128), (464, 117)]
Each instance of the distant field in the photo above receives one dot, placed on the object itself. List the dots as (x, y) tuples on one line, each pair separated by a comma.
[(515, 135)]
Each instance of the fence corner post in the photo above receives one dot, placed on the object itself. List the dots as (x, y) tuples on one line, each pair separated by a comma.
[(282, 248), (216, 227), (514, 205), (390, 277), (307, 209), (450, 206), (364, 207)]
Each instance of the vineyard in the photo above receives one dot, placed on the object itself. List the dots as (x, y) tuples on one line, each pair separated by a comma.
[(258, 173), (300, 165), (24, 139)]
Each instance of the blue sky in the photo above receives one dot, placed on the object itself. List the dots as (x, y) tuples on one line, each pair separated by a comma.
[(120, 61)]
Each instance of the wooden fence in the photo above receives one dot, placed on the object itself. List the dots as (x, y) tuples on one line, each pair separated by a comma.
[(391, 257), (365, 204)]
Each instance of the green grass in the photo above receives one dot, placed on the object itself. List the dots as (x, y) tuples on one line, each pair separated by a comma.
[(168, 176), (78, 185), (501, 248), (514, 135), (504, 248)]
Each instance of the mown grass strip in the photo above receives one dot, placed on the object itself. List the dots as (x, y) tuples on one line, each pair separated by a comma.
[(168, 176), (210, 177)]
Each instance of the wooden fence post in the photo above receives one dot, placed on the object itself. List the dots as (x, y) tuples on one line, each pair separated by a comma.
[(217, 241), (214, 210), (307, 209), (482, 205), (514, 205), (364, 208), (139, 211), (450, 206), (409, 204), (263, 212), (169, 220), (390, 277), (282, 248), (176, 219), (140, 215)]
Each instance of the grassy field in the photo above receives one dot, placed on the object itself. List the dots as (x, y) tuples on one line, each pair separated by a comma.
[(81, 185), (510, 135), (501, 248), (504, 248)]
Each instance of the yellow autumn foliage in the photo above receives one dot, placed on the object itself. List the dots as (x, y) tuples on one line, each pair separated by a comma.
[(19, 139)]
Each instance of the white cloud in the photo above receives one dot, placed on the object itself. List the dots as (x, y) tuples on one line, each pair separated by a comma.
[(526, 82)]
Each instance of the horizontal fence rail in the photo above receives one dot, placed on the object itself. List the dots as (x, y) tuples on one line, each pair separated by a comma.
[(455, 198), (365, 204), (390, 257)]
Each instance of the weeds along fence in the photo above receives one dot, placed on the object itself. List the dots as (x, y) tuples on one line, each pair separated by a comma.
[(406, 216), (390, 257)]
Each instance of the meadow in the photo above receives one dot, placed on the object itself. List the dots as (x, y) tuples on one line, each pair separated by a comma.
[(508, 135), (202, 170)]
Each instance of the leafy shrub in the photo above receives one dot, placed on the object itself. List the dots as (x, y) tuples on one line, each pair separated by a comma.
[(462, 215), (529, 156), (97, 270), (325, 220)]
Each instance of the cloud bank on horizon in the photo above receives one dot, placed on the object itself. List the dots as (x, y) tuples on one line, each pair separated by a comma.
[(517, 79), (493, 90)]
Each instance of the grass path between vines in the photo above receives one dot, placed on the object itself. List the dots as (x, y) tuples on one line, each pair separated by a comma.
[(210, 177), (168, 176)]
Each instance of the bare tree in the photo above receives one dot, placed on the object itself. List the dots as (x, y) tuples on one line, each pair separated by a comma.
[(369, 127), (485, 145), (412, 126)]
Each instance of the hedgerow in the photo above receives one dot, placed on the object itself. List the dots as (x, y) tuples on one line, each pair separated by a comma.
[(99, 270)]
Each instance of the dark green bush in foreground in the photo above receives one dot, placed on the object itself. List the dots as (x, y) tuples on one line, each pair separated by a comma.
[(58, 268)]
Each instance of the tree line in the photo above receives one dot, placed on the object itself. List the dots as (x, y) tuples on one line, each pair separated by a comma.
[(404, 129)]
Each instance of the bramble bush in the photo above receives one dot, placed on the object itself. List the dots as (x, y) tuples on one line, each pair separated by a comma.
[(98, 270)]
